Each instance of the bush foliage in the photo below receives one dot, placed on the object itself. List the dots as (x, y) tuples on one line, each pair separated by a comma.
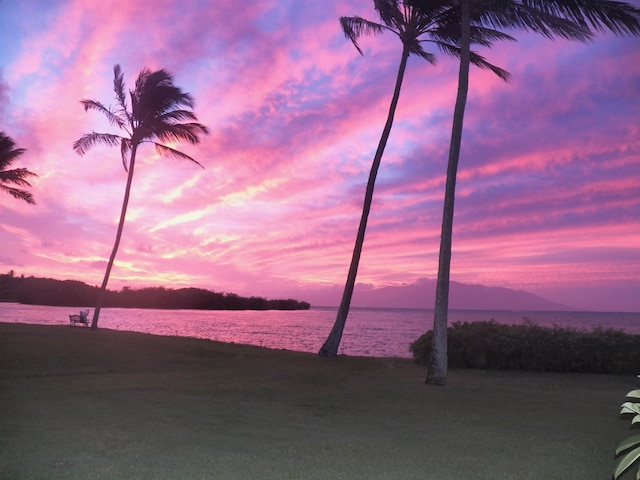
[(491, 345)]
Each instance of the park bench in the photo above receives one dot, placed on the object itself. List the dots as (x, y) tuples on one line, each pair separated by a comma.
[(82, 318)]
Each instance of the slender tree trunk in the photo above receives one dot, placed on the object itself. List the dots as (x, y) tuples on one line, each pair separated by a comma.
[(123, 214), (437, 374), (330, 347)]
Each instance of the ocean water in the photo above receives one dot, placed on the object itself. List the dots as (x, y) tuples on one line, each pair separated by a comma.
[(369, 331)]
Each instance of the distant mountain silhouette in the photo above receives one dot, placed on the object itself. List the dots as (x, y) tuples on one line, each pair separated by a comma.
[(422, 295)]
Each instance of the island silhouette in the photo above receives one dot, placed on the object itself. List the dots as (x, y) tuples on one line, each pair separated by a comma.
[(72, 293)]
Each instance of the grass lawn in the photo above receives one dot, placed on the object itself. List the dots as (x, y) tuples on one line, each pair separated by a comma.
[(77, 404)]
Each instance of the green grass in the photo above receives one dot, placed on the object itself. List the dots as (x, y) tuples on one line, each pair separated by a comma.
[(76, 404)]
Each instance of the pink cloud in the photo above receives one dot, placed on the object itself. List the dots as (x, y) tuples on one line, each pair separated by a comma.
[(546, 185)]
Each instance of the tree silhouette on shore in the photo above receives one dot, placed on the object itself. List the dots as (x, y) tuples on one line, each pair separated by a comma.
[(157, 109), (568, 19), (436, 24)]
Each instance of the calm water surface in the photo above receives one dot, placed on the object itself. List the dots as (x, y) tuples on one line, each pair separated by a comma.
[(369, 331)]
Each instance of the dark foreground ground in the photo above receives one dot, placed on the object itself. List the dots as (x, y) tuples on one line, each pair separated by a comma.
[(76, 404)]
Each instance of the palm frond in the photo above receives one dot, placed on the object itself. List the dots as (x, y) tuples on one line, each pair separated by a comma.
[(143, 75), (118, 88), (118, 85), (480, 35), (89, 140), (166, 98), (156, 93), (601, 15), (125, 148), (355, 27), (17, 176), (419, 51), (481, 62), (155, 98), (476, 59), (173, 116), (513, 14), (430, 13), (189, 132), (164, 150), (18, 193), (113, 117), (8, 152), (8, 157), (158, 110), (486, 36), (390, 13), (159, 78)]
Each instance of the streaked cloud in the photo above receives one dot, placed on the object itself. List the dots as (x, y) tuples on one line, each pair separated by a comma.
[(548, 187)]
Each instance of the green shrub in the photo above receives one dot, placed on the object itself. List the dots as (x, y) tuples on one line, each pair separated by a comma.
[(491, 345)]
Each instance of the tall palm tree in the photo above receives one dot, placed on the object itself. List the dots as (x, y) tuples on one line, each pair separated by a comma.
[(157, 110), (16, 176), (569, 19), (434, 23)]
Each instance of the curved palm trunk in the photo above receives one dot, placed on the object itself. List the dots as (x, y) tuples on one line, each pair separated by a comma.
[(330, 347), (123, 214), (437, 374)]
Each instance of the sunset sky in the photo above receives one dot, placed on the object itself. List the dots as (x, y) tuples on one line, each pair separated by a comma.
[(548, 197)]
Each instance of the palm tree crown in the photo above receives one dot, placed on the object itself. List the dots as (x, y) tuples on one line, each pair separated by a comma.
[(16, 176), (435, 22), (156, 110)]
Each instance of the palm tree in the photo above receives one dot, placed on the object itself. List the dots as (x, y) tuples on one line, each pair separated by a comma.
[(569, 19), (157, 108), (436, 24), (17, 176)]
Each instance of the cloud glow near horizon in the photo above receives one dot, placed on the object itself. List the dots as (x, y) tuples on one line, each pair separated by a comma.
[(548, 192)]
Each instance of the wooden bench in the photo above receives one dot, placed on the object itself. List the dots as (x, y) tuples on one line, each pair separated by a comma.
[(82, 318)]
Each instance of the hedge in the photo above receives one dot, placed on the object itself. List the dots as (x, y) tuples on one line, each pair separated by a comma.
[(491, 345)]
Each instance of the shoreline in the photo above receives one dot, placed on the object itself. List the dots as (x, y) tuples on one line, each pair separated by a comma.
[(368, 332)]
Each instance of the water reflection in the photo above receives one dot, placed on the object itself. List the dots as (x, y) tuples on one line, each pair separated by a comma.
[(369, 332)]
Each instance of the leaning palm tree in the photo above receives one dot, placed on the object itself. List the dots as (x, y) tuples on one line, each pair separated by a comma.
[(569, 19), (436, 24), (12, 180), (157, 110)]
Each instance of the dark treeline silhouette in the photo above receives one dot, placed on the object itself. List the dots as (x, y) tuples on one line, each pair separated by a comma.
[(73, 293)]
